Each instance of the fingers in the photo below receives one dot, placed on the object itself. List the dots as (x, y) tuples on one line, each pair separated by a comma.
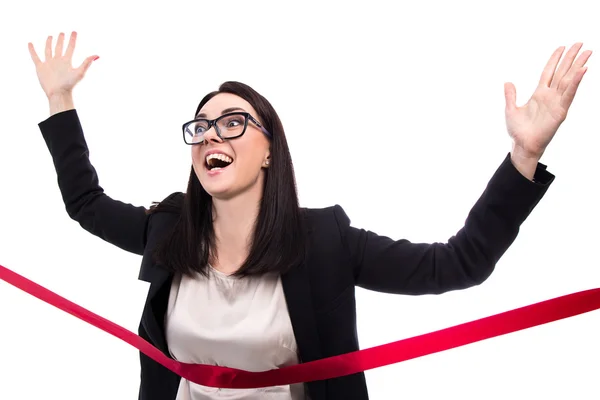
[(49, 48), (86, 64), (565, 65), (569, 94), (510, 94), (34, 56), (575, 68), (71, 46), (550, 67), (58, 52), (582, 59), (569, 74)]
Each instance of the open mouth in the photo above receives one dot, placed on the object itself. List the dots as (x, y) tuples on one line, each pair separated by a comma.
[(217, 161)]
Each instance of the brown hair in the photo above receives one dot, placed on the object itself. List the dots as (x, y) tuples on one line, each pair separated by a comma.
[(278, 241)]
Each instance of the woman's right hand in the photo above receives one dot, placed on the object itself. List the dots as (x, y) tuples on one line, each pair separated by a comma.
[(56, 74)]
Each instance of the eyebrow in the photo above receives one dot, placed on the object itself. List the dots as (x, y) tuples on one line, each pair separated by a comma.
[(225, 111)]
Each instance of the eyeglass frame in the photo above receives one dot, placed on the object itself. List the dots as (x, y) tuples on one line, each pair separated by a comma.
[(213, 123)]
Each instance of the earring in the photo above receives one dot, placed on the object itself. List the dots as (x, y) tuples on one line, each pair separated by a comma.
[(267, 162)]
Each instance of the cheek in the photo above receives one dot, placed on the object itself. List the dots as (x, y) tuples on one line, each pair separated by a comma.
[(250, 159), (197, 159), (250, 151)]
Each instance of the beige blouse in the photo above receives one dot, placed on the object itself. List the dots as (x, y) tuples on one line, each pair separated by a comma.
[(234, 322)]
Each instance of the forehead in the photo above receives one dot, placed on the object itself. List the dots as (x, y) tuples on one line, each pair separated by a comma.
[(223, 101)]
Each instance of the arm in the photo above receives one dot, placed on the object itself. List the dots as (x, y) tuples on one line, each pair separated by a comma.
[(113, 221), (467, 259), (470, 256), (117, 223)]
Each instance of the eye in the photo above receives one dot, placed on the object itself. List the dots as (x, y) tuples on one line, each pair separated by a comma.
[(232, 122), (200, 127)]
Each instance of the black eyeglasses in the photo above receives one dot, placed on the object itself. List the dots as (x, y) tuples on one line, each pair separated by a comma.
[(228, 126)]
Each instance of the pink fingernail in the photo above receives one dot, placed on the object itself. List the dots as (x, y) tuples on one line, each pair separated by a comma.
[(95, 58)]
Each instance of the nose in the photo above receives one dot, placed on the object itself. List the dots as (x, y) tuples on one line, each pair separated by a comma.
[(211, 136)]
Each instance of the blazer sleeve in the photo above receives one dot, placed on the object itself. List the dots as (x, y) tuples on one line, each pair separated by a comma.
[(467, 259), (118, 223)]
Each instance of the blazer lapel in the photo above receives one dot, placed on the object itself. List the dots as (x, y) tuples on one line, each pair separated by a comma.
[(160, 282), (296, 287), (156, 303)]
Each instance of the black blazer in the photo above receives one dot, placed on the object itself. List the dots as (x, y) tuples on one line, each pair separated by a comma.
[(320, 293)]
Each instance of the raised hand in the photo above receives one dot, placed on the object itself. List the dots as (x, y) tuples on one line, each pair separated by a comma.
[(533, 125), (56, 73)]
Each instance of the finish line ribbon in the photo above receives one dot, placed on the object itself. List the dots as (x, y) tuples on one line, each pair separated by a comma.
[(336, 366)]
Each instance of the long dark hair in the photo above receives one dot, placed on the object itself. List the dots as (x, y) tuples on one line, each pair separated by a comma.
[(278, 241)]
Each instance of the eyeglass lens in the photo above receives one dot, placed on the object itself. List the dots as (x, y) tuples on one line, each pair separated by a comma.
[(228, 126)]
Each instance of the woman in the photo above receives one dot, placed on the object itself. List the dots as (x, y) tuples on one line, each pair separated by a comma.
[(240, 275)]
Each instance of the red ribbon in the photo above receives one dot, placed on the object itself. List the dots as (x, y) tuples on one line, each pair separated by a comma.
[(341, 365)]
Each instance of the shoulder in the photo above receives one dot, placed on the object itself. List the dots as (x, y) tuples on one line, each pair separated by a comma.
[(175, 199), (163, 216), (173, 204), (327, 216)]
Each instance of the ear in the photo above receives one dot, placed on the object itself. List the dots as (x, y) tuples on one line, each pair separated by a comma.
[(267, 159)]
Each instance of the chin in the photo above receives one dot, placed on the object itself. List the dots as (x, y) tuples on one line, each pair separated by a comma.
[(217, 189), (221, 193), (224, 184)]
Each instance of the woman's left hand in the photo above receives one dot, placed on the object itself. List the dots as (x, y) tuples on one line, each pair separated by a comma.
[(533, 125)]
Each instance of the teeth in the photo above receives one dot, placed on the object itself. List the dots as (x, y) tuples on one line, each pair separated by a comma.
[(219, 156)]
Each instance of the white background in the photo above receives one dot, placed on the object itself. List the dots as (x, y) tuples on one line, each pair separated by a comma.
[(394, 111)]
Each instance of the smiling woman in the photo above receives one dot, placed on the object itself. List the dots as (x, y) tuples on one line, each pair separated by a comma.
[(241, 276), (241, 207)]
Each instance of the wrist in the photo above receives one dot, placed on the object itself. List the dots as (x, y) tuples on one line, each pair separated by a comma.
[(525, 162), (60, 102)]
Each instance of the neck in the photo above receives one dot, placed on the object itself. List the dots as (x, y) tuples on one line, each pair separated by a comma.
[(234, 221)]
